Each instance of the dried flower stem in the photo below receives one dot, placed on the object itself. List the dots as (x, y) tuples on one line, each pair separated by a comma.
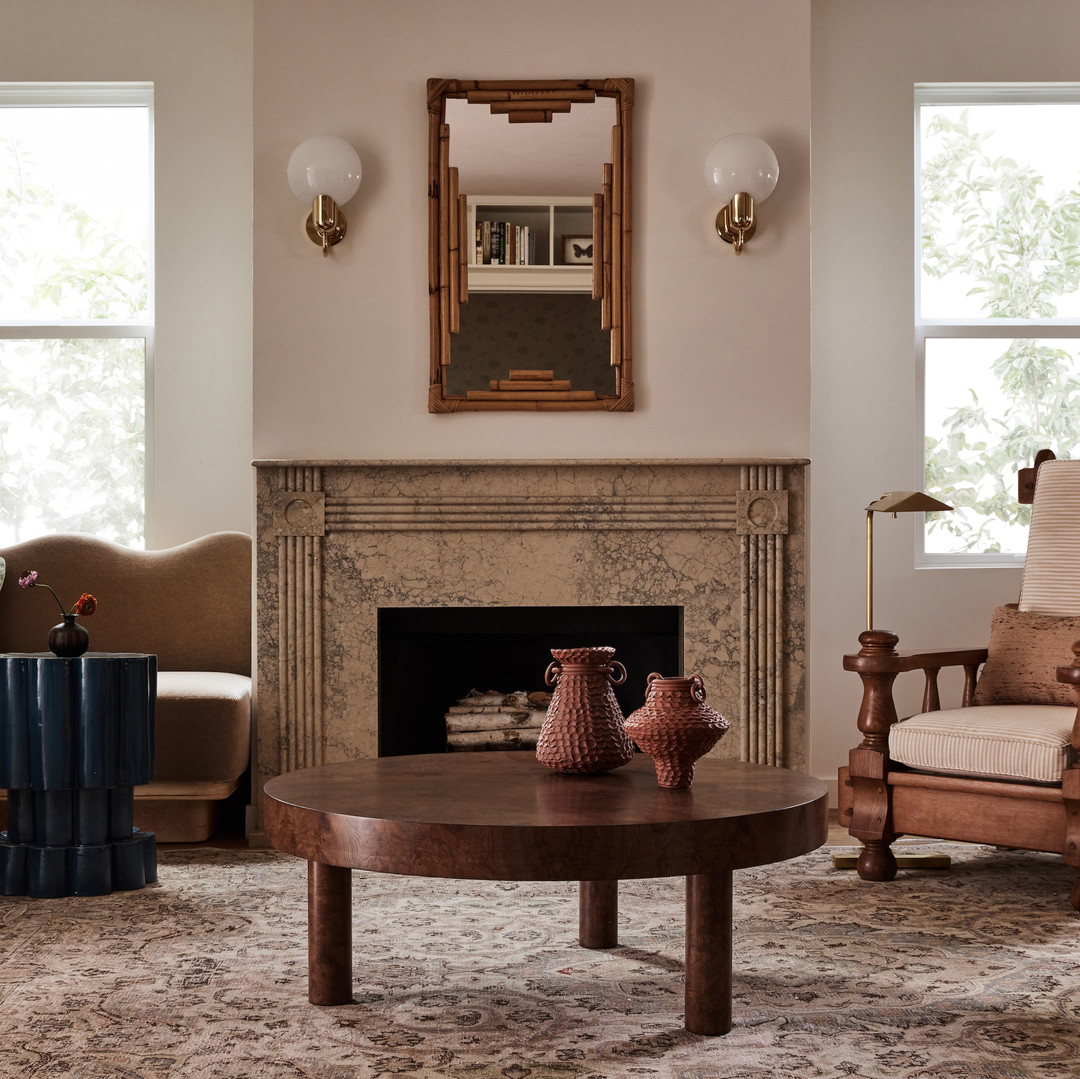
[(41, 584)]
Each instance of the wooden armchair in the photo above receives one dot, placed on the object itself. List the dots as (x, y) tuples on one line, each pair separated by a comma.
[(1002, 768)]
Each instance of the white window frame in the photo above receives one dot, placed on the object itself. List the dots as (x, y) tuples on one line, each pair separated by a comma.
[(985, 328), (95, 94)]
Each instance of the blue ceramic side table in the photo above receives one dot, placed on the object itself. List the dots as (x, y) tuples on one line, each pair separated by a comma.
[(76, 736)]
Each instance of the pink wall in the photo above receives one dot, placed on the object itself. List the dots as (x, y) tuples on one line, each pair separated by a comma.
[(341, 344)]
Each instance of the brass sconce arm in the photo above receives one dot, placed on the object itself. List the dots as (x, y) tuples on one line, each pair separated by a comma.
[(323, 172), (740, 170)]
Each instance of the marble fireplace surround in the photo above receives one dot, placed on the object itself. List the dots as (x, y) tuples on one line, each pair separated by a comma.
[(337, 540)]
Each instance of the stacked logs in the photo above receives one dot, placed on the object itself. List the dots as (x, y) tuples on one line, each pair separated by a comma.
[(493, 720)]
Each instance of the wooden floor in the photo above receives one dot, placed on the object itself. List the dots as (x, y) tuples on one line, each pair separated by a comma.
[(838, 834)]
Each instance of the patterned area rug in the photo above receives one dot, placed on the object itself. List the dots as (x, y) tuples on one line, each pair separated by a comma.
[(967, 972)]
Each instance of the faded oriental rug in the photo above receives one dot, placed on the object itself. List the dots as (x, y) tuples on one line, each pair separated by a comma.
[(956, 974)]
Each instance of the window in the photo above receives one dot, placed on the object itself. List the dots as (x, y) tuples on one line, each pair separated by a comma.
[(76, 309), (997, 304)]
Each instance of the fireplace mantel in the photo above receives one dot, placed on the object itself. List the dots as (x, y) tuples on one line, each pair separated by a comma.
[(337, 540)]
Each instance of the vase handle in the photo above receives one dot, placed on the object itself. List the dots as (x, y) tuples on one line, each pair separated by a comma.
[(551, 675), (652, 677), (611, 673), (697, 688)]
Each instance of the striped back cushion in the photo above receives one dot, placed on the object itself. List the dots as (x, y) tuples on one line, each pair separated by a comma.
[(1051, 582)]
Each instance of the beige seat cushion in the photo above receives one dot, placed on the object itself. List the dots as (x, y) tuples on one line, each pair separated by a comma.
[(1019, 742), (203, 726), (1024, 652)]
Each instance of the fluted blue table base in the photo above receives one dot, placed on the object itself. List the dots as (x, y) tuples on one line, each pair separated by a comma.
[(76, 737), (82, 869)]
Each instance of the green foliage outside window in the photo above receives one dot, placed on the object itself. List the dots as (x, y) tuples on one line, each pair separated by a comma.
[(72, 424), (987, 219)]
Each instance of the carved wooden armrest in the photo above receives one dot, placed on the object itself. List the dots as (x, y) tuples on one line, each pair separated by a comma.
[(878, 663)]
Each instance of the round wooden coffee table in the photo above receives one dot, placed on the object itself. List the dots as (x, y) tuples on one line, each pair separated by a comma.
[(504, 816)]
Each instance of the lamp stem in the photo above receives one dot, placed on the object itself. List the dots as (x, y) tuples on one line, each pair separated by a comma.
[(869, 569)]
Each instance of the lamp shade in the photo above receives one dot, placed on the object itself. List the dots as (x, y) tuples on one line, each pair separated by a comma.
[(324, 165), (740, 163), (906, 502)]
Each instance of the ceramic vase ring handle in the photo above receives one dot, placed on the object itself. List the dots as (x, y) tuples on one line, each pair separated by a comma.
[(697, 688), (551, 675), (652, 677), (611, 673)]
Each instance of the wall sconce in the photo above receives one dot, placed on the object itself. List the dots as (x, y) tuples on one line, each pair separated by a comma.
[(894, 502), (740, 170), (323, 173)]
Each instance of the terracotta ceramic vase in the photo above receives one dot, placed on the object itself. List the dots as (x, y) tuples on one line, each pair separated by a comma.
[(68, 638), (584, 731), (675, 727)]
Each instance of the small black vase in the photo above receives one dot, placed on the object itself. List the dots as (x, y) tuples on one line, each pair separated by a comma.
[(68, 638)]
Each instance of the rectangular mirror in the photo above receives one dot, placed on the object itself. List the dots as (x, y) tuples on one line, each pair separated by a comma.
[(529, 245)]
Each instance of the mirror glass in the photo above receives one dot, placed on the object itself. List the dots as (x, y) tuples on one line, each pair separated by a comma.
[(529, 263)]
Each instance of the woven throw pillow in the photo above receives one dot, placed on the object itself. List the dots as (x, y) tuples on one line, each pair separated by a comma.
[(1025, 649)]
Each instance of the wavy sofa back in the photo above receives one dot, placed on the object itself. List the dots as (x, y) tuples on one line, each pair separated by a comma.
[(189, 605)]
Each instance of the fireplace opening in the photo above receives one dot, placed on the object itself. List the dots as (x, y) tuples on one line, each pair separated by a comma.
[(430, 657)]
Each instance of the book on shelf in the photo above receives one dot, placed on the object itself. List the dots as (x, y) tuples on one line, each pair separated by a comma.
[(502, 243)]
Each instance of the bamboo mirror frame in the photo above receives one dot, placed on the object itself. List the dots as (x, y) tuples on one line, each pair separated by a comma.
[(449, 246)]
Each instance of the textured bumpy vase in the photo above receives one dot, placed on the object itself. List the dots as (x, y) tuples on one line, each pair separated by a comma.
[(68, 638), (675, 727), (584, 732)]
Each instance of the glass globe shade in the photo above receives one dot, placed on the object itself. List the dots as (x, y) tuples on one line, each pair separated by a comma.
[(741, 163), (324, 165)]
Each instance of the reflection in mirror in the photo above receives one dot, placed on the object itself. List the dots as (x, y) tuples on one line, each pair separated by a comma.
[(529, 252)]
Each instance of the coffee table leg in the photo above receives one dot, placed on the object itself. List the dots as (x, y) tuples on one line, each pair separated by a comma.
[(708, 953), (598, 913), (329, 934)]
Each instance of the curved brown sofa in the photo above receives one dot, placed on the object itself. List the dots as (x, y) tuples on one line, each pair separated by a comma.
[(191, 607)]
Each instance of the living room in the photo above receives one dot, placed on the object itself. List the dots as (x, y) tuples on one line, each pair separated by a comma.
[(798, 349)]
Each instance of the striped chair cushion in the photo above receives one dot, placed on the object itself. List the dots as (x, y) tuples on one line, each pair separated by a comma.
[(1016, 741), (1052, 570)]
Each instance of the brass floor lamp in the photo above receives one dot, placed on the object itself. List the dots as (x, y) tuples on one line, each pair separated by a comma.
[(894, 502)]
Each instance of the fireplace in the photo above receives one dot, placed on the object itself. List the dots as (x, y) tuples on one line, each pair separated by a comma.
[(341, 543), (430, 657)]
